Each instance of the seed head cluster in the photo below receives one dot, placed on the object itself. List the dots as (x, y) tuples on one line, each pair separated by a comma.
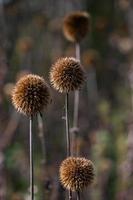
[(76, 26), (76, 173), (67, 75), (30, 95)]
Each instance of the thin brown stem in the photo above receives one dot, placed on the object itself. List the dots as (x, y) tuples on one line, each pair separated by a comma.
[(76, 98), (31, 161), (68, 134), (67, 125), (77, 51), (76, 106)]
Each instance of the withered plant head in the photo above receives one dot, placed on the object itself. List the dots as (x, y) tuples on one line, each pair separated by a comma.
[(30, 95), (67, 75), (76, 173), (76, 26)]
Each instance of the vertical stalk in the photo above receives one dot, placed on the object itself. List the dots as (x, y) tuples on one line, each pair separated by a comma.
[(76, 104), (76, 108), (31, 162), (67, 126), (68, 135), (78, 195), (77, 49), (76, 98)]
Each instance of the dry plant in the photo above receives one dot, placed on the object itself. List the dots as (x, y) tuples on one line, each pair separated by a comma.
[(76, 173), (75, 27), (67, 75), (29, 97)]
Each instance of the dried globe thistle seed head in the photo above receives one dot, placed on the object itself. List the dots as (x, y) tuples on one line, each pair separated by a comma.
[(67, 75), (76, 173), (76, 26), (30, 95)]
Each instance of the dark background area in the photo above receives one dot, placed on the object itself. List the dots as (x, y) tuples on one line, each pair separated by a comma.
[(31, 40)]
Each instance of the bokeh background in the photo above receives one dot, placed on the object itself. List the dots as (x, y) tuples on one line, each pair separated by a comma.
[(31, 39)]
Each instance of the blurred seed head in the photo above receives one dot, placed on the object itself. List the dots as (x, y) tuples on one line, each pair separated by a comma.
[(121, 40), (67, 75), (25, 44), (125, 44), (30, 95), (76, 26), (124, 4), (90, 58), (76, 173)]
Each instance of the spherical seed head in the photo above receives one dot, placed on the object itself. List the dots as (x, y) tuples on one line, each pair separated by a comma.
[(76, 173), (67, 75), (30, 95), (76, 26)]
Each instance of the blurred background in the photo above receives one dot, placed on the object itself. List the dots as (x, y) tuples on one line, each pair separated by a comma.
[(31, 39)]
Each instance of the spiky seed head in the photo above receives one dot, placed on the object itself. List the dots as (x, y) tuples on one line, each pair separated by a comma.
[(67, 75), (76, 25), (30, 95), (76, 173)]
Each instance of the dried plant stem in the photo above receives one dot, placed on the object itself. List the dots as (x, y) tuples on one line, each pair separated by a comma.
[(31, 162), (78, 195), (68, 134), (42, 138), (67, 125), (76, 106), (76, 98), (77, 49)]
